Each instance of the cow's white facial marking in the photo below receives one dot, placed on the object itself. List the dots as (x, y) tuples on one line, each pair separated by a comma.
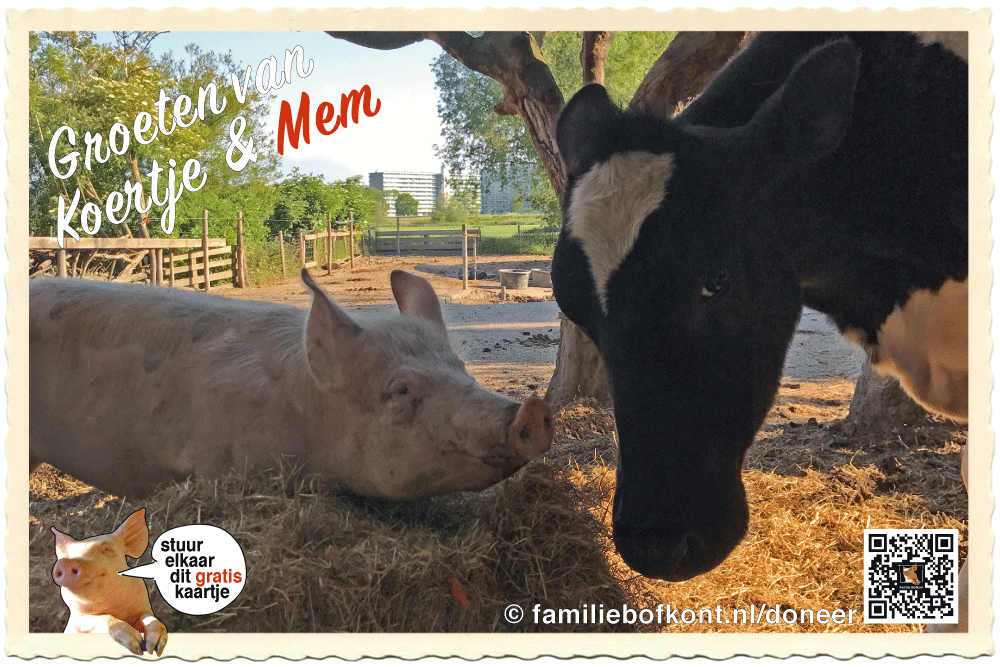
[(925, 344), (956, 42), (610, 203)]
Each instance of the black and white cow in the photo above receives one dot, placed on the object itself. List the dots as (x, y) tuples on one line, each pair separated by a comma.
[(819, 169)]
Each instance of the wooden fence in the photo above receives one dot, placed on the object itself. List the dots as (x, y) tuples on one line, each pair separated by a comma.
[(422, 240), (185, 265), (307, 252)]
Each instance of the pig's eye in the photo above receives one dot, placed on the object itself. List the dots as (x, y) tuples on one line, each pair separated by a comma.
[(108, 551), (398, 390)]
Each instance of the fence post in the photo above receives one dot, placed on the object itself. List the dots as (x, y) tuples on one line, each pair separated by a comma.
[(170, 254), (329, 245), (397, 235), (350, 231), (61, 261), (465, 256), (475, 255), (204, 247), (281, 245), (241, 266), (302, 247)]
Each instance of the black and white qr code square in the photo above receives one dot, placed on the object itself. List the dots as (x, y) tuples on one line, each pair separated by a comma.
[(911, 576)]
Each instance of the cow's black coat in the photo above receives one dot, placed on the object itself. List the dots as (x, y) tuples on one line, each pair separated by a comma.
[(821, 169)]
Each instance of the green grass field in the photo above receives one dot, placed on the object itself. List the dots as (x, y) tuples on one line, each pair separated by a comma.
[(511, 234), (510, 219)]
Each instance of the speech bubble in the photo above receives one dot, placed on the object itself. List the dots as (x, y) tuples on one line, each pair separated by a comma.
[(198, 569)]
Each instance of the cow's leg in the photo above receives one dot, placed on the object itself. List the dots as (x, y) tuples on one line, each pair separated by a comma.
[(963, 575)]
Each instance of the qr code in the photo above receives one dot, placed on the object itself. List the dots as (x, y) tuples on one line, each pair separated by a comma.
[(911, 576)]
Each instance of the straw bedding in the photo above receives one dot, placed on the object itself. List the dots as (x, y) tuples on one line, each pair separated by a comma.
[(321, 561)]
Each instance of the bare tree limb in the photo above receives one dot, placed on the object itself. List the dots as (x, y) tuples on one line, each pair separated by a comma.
[(690, 62), (383, 41), (593, 53)]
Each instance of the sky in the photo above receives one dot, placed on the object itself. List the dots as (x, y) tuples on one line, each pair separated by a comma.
[(400, 137)]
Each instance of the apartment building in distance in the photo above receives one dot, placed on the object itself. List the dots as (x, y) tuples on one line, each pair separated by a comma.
[(424, 186), (497, 197)]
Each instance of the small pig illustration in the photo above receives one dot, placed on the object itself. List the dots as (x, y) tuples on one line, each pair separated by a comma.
[(101, 600)]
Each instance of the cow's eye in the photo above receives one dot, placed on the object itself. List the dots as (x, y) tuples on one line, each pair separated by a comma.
[(715, 285)]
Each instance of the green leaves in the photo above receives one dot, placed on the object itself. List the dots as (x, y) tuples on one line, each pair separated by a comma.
[(303, 201), (478, 138), (76, 81)]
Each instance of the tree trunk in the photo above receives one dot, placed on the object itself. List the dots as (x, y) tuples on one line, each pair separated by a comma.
[(880, 403), (593, 54), (579, 369)]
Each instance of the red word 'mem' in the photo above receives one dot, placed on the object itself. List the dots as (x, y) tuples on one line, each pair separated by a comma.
[(293, 128)]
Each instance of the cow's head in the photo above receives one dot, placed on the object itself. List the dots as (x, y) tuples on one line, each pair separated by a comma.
[(667, 259)]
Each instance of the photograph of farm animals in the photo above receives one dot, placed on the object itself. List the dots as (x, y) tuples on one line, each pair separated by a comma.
[(386, 409), (99, 599), (753, 499), (817, 169)]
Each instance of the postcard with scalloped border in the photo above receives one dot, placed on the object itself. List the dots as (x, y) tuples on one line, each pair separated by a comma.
[(449, 333)]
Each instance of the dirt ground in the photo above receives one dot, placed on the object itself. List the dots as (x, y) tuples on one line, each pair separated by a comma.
[(908, 470), (368, 282)]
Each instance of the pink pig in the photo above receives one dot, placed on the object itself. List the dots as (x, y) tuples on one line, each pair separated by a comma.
[(101, 600)]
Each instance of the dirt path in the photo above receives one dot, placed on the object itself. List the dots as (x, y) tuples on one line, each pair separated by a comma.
[(511, 346)]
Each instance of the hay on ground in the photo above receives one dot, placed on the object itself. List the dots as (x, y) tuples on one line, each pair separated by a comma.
[(320, 561)]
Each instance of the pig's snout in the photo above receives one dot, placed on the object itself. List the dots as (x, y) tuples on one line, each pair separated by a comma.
[(531, 431), (67, 573)]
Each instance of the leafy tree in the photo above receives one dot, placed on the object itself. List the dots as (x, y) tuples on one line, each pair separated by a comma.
[(478, 137), (77, 82), (355, 200), (304, 200), (407, 204), (380, 206), (450, 210)]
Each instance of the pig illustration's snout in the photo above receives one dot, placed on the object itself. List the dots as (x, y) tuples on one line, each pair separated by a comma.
[(531, 431), (66, 572)]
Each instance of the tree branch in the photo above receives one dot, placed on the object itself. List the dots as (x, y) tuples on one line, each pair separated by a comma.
[(593, 53), (690, 62), (383, 41)]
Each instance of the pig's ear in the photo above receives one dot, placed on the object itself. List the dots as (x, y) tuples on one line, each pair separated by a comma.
[(416, 298), (333, 339), (62, 541), (134, 534)]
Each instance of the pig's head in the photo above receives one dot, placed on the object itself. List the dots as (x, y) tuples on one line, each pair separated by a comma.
[(87, 570), (420, 425)]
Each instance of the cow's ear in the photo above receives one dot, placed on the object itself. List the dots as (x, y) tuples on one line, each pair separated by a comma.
[(333, 339), (581, 124), (809, 116), (416, 298), (134, 534)]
